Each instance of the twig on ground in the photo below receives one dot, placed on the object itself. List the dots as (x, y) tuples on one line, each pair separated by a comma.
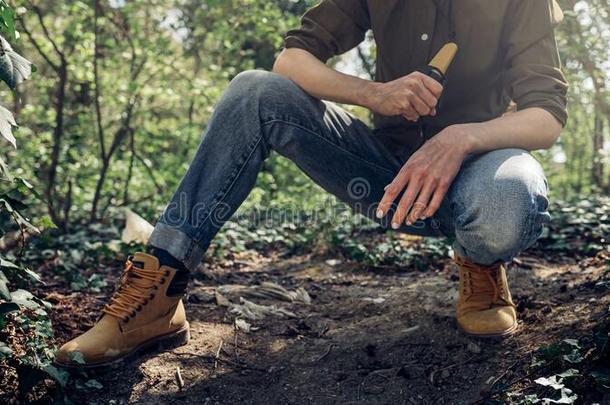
[(509, 368), (179, 379), (212, 359), (218, 354), (326, 353), (506, 388)]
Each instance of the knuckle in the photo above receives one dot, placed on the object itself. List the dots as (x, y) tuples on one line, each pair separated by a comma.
[(393, 189), (418, 206), (444, 183), (417, 172)]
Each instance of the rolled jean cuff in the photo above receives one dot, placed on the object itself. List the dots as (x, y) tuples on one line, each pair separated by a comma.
[(178, 244)]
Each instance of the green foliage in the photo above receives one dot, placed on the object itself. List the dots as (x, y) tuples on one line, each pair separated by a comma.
[(579, 163), (155, 70), (25, 327), (579, 227), (571, 370), (7, 20)]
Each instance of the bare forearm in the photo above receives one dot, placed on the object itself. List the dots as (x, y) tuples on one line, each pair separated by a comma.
[(529, 129), (319, 80), (412, 96)]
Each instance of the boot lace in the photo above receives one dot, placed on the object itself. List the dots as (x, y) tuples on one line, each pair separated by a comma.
[(136, 288), (484, 280)]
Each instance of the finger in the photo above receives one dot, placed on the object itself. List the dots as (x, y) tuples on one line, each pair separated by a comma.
[(392, 191), (423, 199), (406, 202), (426, 95), (435, 87), (411, 117), (410, 113), (419, 105), (437, 199)]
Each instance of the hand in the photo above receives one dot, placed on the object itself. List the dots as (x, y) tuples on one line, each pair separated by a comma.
[(427, 176), (412, 96)]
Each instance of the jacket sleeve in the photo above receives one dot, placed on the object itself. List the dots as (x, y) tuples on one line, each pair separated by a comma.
[(331, 28), (534, 77)]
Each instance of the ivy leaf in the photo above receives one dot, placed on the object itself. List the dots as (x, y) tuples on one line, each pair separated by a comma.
[(60, 376), (33, 276), (14, 68), (5, 351), (94, 384), (25, 299), (77, 357), (550, 382), (5, 294), (572, 342), (574, 357), (7, 122), (566, 398), (7, 264)]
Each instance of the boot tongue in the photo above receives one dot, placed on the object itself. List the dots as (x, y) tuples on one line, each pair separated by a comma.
[(483, 283), (145, 261)]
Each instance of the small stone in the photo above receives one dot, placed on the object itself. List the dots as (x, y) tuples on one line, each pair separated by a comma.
[(221, 300), (474, 348), (378, 300)]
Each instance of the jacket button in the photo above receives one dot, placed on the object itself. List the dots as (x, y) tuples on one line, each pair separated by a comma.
[(424, 37)]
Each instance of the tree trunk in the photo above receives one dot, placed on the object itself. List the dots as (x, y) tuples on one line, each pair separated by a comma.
[(58, 132), (598, 145)]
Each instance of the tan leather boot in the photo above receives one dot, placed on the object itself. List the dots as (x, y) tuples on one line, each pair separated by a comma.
[(485, 307), (145, 312)]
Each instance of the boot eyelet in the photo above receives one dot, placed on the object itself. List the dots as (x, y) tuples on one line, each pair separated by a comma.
[(162, 281), (139, 308), (133, 314), (152, 296), (166, 273)]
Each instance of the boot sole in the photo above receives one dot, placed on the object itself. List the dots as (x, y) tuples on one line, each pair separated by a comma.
[(504, 334), (171, 340)]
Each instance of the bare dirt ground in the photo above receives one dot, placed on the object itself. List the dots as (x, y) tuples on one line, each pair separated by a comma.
[(369, 336)]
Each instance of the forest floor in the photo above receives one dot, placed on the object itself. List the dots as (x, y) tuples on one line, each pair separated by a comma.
[(370, 335)]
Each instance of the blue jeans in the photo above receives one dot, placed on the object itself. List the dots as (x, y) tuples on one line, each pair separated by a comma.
[(494, 209)]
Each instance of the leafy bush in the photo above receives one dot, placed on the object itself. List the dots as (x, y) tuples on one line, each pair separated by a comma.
[(579, 228), (25, 328)]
